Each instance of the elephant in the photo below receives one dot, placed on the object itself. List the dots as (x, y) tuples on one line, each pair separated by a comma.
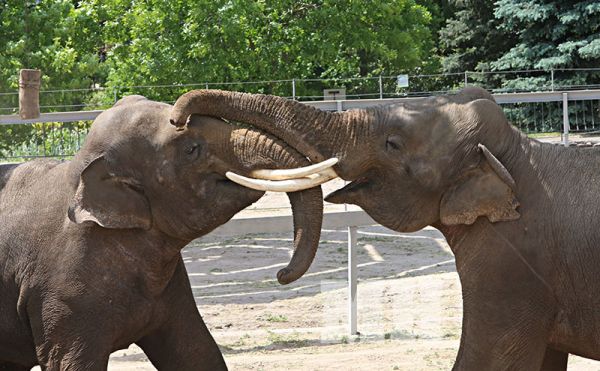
[(90, 247), (521, 217)]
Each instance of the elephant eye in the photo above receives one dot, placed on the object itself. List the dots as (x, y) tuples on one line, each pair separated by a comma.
[(393, 142), (192, 149)]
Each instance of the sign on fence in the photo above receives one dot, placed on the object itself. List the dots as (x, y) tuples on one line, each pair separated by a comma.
[(402, 81)]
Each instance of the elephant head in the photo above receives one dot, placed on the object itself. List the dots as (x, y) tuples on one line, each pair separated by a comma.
[(425, 162), (136, 171)]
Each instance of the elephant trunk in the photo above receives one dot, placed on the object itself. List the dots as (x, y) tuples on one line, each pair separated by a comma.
[(316, 134), (254, 149)]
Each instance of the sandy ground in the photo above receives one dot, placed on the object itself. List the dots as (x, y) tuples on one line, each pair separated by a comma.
[(408, 299), (409, 304)]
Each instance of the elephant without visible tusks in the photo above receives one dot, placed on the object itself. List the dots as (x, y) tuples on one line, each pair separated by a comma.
[(522, 217), (90, 248)]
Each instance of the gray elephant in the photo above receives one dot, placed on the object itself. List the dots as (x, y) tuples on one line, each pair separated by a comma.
[(521, 217), (90, 248)]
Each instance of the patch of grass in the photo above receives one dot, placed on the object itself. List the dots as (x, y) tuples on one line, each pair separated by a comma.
[(291, 341), (374, 239), (344, 339), (269, 317), (542, 135), (450, 335), (387, 335), (240, 342), (216, 270)]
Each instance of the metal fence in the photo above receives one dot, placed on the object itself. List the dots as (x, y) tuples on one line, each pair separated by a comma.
[(61, 134), (55, 100), (546, 117)]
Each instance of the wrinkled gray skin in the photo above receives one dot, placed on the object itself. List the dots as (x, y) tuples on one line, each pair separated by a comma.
[(523, 222), (90, 248)]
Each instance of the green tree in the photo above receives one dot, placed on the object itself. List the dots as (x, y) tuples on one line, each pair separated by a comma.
[(59, 39), (55, 37), (158, 42), (472, 36), (551, 35)]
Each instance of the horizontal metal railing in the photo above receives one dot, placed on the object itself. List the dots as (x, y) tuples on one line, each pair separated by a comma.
[(384, 86), (336, 105)]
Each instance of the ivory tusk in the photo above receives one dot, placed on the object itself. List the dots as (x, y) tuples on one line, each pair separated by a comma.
[(290, 185), (284, 174)]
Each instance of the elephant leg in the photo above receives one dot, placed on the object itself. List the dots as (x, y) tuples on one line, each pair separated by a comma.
[(555, 360), (490, 349), (504, 334), (509, 310), (8, 366), (183, 341)]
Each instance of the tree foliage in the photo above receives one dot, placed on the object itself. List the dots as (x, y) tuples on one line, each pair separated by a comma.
[(114, 43), (247, 40), (551, 35), (488, 35), (472, 36), (53, 36)]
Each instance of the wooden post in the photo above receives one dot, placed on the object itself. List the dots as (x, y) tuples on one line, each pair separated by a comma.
[(29, 94)]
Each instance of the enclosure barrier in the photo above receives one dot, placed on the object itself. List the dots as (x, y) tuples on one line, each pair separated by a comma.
[(382, 86), (532, 112)]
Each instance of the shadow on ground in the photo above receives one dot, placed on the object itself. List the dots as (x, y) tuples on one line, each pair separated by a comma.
[(243, 270)]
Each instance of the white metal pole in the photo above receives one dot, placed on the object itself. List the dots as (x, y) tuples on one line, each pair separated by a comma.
[(352, 280), (565, 104), (293, 89), (380, 87)]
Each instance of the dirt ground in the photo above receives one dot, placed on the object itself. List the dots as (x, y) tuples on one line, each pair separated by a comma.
[(409, 304), (409, 307)]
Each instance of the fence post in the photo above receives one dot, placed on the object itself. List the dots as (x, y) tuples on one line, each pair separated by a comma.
[(552, 78), (352, 281), (29, 93), (565, 101), (293, 89), (466, 79), (115, 89), (206, 85), (380, 87)]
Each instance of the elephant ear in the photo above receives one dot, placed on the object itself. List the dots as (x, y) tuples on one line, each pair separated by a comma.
[(488, 190), (108, 200)]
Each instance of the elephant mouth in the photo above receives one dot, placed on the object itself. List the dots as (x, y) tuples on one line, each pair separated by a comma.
[(344, 194)]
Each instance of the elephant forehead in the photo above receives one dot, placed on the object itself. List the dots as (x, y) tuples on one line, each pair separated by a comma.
[(140, 117)]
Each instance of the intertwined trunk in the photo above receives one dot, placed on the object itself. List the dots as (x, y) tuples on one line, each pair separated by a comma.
[(316, 134)]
